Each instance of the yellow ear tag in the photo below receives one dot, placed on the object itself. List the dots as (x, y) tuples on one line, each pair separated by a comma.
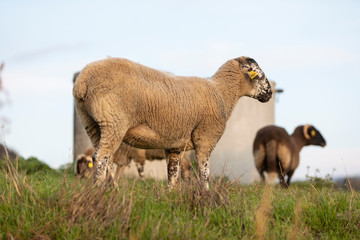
[(90, 165), (313, 133), (253, 74)]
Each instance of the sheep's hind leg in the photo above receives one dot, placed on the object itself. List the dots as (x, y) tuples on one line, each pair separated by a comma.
[(271, 179), (173, 167), (282, 175), (262, 176), (91, 127), (260, 161), (271, 164), (110, 141), (289, 174), (282, 180)]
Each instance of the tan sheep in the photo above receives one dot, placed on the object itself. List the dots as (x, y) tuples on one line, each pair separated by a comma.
[(277, 153), (120, 100), (122, 158), (84, 164)]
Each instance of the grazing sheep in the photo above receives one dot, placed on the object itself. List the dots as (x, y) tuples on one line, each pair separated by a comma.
[(120, 100), (122, 158), (277, 153), (84, 164)]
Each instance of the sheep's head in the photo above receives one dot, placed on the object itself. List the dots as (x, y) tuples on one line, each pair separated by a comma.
[(259, 86), (84, 167), (313, 136)]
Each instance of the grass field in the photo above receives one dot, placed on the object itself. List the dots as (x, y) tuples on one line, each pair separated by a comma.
[(50, 205)]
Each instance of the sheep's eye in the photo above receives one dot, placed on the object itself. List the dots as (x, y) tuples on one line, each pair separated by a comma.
[(90, 165), (253, 74), (313, 133)]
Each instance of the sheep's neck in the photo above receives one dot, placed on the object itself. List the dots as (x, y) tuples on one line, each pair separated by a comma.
[(228, 84), (299, 139)]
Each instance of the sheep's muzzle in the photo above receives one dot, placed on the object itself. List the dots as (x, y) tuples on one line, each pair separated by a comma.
[(265, 95)]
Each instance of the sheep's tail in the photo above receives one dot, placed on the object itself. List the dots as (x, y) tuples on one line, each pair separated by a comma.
[(80, 87)]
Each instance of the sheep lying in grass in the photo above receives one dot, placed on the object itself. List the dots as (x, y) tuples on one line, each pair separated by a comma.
[(277, 153), (120, 100), (122, 158)]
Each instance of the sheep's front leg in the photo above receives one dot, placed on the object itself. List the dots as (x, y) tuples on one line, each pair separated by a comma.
[(102, 163), (173, 167), (139, 158), (204, 169), (205, 139)]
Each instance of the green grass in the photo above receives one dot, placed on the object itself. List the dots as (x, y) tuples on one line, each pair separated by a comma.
[(44, 205), (28, 166)]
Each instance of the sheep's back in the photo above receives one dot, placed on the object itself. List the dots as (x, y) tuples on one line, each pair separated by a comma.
[(272, 133), (145, 95)]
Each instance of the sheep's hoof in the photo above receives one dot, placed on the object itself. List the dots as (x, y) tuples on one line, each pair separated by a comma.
[(173, 187), (170, 187), (205, 186)]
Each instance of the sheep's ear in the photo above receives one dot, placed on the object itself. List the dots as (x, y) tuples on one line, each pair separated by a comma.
[(249, 67), (80, 156)]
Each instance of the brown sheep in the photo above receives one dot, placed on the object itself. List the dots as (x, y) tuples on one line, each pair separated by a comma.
[(119, 100), (122, 158), (277, 153)]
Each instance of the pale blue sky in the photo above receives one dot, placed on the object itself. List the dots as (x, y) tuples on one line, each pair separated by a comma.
[(309, 48)]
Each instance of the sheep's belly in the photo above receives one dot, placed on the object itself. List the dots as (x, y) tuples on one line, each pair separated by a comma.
[(144, 137)]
